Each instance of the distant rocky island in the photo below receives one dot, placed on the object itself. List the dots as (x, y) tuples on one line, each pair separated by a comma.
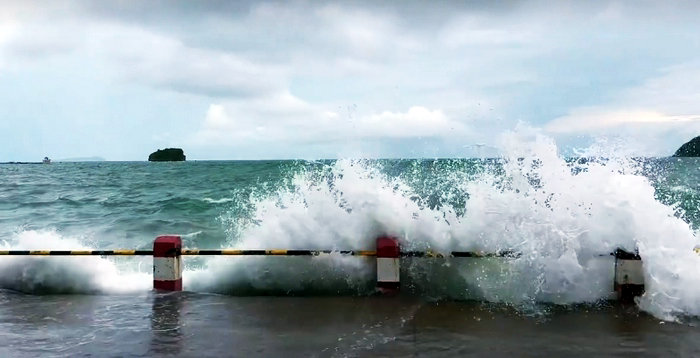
[(690, 149), (167, 155)]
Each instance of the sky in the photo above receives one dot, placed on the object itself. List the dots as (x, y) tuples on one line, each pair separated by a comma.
[(314, 80)]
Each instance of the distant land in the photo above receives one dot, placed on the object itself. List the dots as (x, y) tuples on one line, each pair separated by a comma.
[(690, 149), (83, 159)]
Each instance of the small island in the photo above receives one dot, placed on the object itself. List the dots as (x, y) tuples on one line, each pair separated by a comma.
[(167, 155), (690, 149)]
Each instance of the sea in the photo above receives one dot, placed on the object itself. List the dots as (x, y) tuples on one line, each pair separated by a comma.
[(563, 215)]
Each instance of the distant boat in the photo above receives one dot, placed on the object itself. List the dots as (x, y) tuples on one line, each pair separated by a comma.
[(46, 160)]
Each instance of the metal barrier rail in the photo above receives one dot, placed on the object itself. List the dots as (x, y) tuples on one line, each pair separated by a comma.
[(236, 252), (76, 252), (168, 251)]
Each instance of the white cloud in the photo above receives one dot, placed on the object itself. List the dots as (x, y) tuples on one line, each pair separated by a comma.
[(675, 92), (667, 101), (37, 42), (26, 34), (8, 29), (279, 117), (286, 119), (596, 119), (363, 33), (165, 62), (417, 122), (653, 118), (473, 30), (134, 54)]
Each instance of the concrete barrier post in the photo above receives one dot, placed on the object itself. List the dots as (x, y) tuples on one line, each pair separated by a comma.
[(629, 275), (388, 266), (167, 264)]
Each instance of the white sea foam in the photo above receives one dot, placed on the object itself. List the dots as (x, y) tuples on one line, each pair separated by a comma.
[(321, 275), (564, 222), (65, 274), (217, 201), (191, 235)]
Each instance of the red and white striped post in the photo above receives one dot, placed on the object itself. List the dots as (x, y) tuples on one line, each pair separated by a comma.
[(167, 264), (388, 265), (629, 275)]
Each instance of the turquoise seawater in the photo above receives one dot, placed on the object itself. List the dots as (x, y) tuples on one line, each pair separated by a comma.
[(127, 204), (564, 215)]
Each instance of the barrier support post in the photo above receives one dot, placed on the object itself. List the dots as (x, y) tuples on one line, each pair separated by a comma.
[(629, 276), (388, 265), (167, 263)]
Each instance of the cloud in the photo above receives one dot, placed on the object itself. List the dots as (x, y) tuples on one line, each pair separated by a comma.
[(273, 118), (599, 120), (133, 54), (7, 30), (364, 34), (417, 122), (657, 116), (165, 62), (37, 42), (672, 99), (27, 36), (285, 118), (474, 30), (257, 54), (286, 72)]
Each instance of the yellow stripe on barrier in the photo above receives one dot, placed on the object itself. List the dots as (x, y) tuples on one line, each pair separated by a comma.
[(365, 253), (81, 252), (4, 252), (124, 252), (232, 252), (276, 252), (40, 252), (189, 252)]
